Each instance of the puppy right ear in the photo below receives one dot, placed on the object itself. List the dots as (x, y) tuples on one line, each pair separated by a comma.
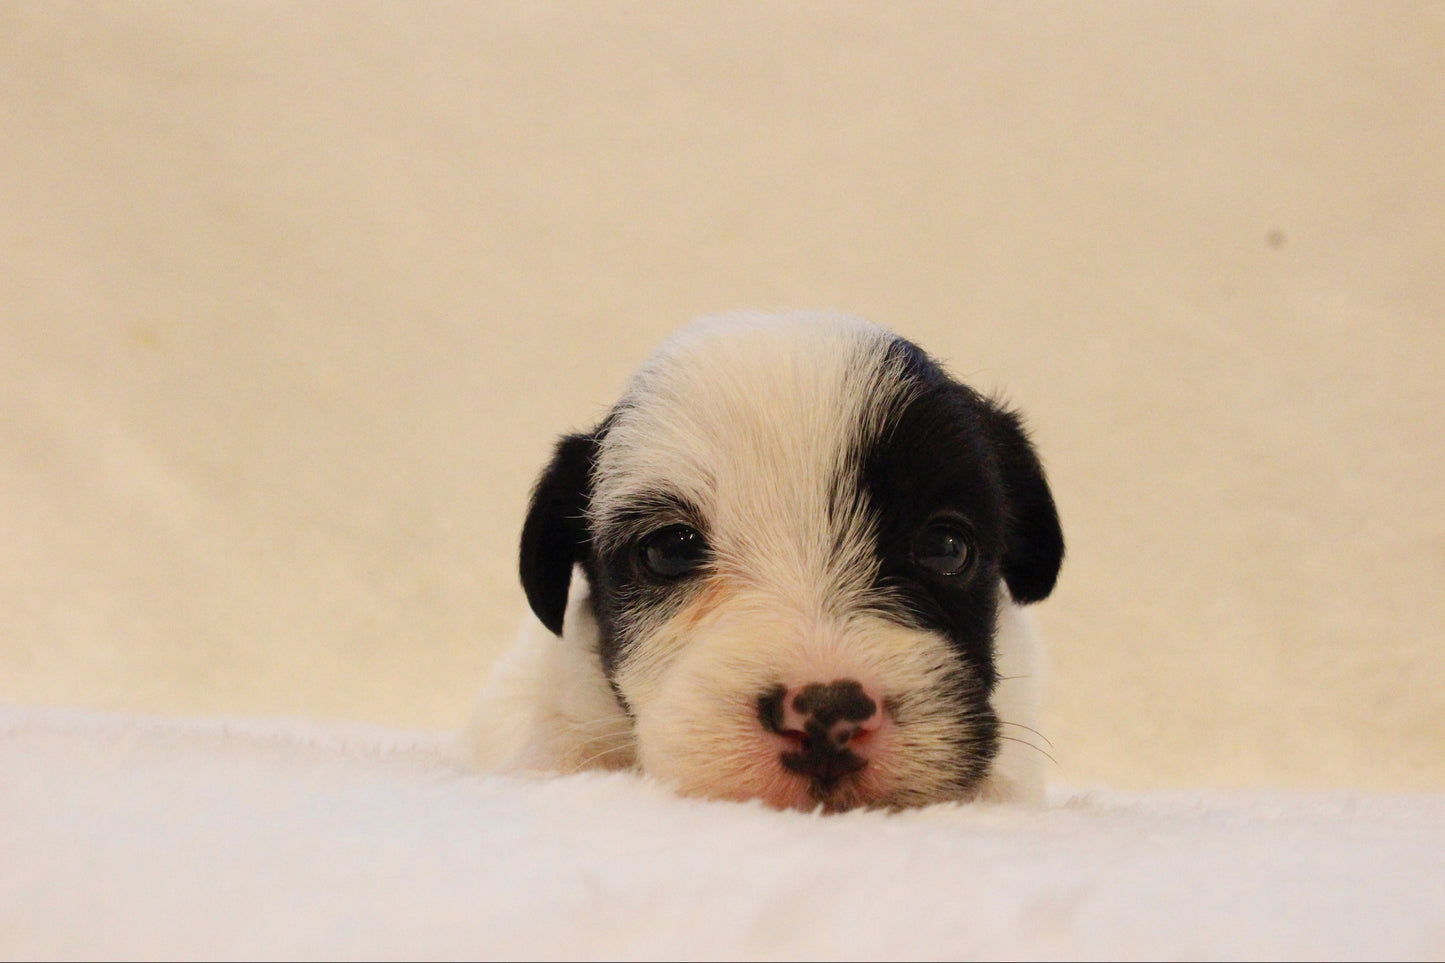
[(1034, 543), (554, 536)]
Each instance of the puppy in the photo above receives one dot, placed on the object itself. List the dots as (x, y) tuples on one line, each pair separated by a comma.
[(788, 565)]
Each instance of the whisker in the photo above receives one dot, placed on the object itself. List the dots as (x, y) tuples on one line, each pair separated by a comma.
[(603, 732), (1036, 732), (600, 735), (599, 722), (1025, 742), (610, 750)]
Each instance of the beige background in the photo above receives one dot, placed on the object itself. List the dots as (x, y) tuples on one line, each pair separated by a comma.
[(294, 297)]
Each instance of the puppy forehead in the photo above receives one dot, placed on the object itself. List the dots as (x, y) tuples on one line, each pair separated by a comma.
[(739, 411)]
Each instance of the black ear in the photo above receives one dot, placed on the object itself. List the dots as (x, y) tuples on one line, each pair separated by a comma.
[(1034, 542), (554, 536)]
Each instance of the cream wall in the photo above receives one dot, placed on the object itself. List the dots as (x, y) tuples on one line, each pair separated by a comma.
[(294, 297)]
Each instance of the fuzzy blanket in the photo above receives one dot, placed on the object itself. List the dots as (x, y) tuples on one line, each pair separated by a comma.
[(150, 837)]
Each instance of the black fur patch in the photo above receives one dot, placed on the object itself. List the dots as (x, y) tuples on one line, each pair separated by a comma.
[(934, 458), (949, 451), (621, 583)]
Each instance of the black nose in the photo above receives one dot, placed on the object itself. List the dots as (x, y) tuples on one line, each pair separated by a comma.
[(826, 704), (821, 723)]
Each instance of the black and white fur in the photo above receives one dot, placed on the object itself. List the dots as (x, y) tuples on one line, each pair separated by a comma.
[(788, 565)]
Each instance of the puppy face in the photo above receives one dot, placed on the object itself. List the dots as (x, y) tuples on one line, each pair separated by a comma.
[(799, 532)]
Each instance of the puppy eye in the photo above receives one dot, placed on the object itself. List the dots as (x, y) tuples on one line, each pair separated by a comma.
[(674, 551), (943, 547)]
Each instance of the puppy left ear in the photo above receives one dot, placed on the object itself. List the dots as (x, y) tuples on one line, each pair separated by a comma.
[(1034, 541), (554, 536)]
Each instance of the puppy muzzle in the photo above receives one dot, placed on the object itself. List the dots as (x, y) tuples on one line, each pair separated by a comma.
[(823, 731)]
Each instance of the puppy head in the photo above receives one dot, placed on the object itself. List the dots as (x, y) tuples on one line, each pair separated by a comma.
[(798, 530)]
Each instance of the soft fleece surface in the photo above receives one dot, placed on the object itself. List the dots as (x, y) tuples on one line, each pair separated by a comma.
[(137, 836)]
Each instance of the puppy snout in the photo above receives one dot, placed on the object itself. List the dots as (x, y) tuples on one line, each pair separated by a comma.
[(824, 728)]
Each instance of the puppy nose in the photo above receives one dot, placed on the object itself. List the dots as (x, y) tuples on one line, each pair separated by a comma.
[(824, 726)]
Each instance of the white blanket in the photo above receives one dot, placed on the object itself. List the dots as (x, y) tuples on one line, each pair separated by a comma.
[(128, 836)]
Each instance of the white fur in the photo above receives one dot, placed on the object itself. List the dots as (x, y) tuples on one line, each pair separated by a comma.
[(746, 420), (546, 706)]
